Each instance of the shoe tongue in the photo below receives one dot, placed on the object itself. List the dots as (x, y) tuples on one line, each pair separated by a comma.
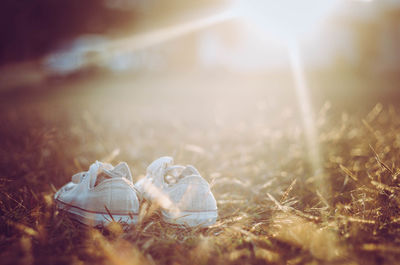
[(157, 169), (189, 170), (122, 171), (173, 173), (102, 171), (96, 173), (176, 173)]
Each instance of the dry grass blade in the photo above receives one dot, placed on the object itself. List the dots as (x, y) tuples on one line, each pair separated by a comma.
[(109, 213), (348, 172), (381, 163), (370, 129), (352, 219), (381, 248), (278, 205), (381, 186), (288, 190), (109, 158), (27, 230)]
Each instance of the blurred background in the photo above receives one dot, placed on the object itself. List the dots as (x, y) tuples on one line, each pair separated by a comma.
[(204, 64), (353, 54)]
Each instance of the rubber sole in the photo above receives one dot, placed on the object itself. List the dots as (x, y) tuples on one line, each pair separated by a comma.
[(191, 219), (94, 218)]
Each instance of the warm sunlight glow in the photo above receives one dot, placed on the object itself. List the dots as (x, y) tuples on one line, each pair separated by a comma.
[(307, 114), (284, 19), (288, 21)]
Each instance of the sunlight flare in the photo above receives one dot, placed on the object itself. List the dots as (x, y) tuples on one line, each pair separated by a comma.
[(310, 129), (289, 21), (284, 19)]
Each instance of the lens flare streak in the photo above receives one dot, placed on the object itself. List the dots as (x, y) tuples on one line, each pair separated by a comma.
[(310, 129)]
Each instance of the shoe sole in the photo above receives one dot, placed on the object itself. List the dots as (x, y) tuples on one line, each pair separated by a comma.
[(92, 218), (191, 219)]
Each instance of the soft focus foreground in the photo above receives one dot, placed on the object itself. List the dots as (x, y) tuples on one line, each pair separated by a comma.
[(249, 147)]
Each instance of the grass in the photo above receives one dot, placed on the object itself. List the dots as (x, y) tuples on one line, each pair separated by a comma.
[(272, 209)]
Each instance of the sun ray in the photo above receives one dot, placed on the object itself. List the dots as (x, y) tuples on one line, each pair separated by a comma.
[(307, 114)]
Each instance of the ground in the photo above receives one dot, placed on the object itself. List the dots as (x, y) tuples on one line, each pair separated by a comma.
[(249, 145)]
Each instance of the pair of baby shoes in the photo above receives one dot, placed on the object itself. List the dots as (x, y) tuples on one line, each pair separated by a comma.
[(105, 193)]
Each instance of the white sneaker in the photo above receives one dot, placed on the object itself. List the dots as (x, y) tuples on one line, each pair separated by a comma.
[(100, 195), (184, 196)]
